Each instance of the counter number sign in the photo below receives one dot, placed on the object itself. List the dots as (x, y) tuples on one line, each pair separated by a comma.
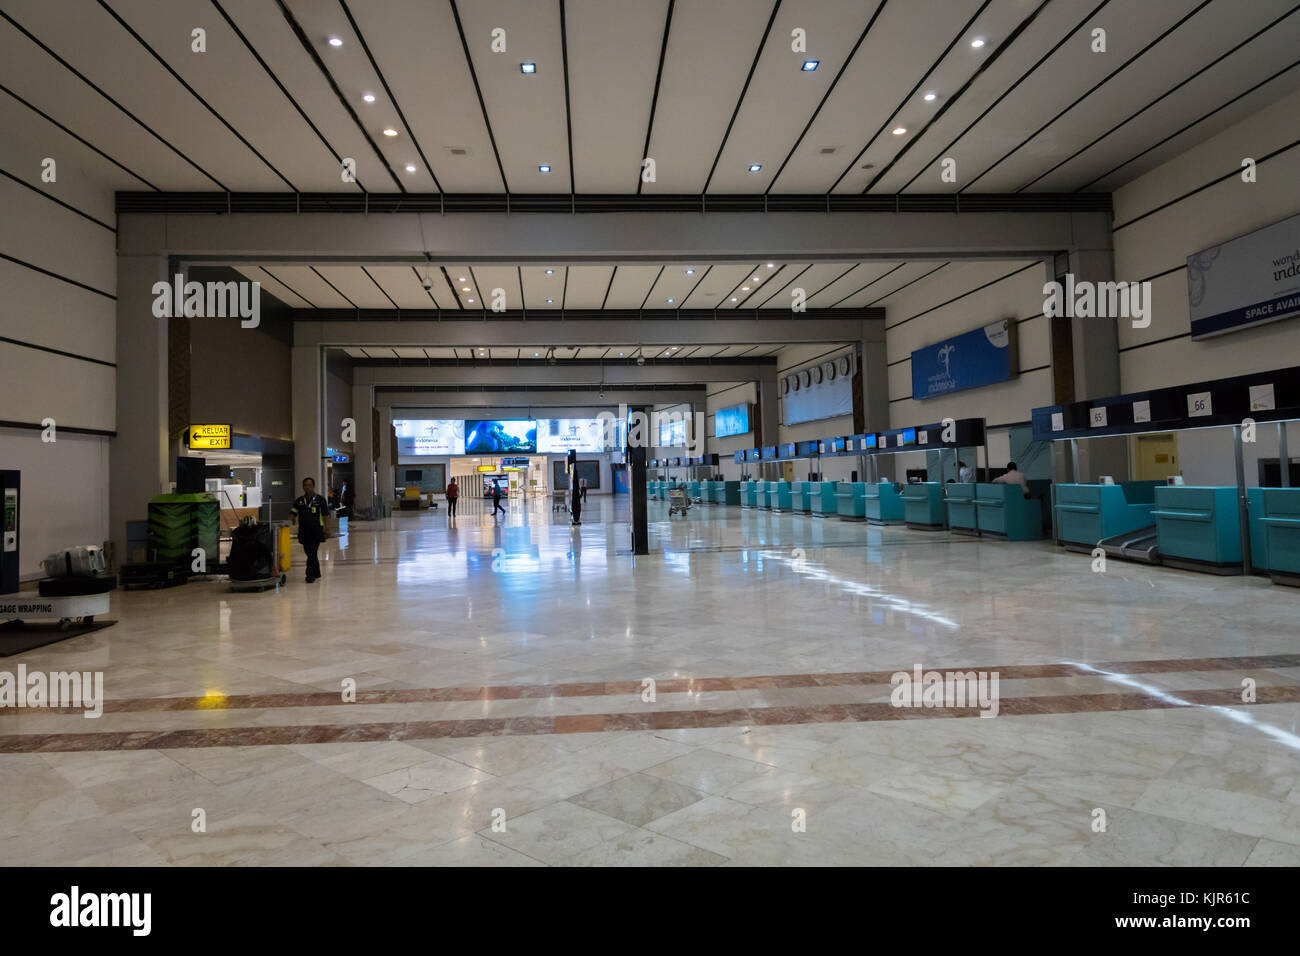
[(1199, 405)]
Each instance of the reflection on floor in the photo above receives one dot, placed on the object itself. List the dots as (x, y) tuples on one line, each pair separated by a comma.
[(502, 712)]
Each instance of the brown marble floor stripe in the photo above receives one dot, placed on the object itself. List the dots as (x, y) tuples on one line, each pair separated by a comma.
[(595, 723), (667, 686)]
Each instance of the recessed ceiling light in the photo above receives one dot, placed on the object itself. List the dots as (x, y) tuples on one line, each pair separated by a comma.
[(754, 279), (460, 279), (469, 300), (771, 265), (543, 169), (930, 97), (690, 272), (620, 354), (734, 299), (466, 289), (755, 167), (368, 97), (410, 168), (899, 130), (389, 131), (744, 288), (809, 65), (977, 42), (535, 354), (549, 301), (550, 272), (335, 41), (527, 67), (670, 300)]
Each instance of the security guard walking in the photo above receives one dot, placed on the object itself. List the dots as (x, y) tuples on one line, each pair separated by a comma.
[(309, 512)]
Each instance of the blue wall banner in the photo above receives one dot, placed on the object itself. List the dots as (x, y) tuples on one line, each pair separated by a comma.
[(973, 359), (1246, 281)]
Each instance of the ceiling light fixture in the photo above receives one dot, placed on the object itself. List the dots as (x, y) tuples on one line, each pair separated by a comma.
[(670, 300), (544, 168), (809, 65), (550, 301), (977, 42), (899, 130), (771, 265), (470, 300), (410, 168), (368, 97), (550, 272), (466, 289), (744, 288), (527, 67), (734, 299), (389, 131), (755, 167), (335, 41), (930, 97), (690, 272)]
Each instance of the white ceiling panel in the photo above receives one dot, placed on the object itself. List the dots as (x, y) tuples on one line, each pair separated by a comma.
[(715, 289), (499, 283), (631, 285), (307, 283), (539, 287), (403, 285), (356, 284), (277, 288), (526, 111), (586, 286), (611, 86)]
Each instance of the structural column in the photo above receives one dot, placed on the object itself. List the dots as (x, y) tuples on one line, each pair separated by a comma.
[(308, 414), (138, 466), (363, 445), (636, 467), (385, 464), (873, 364)]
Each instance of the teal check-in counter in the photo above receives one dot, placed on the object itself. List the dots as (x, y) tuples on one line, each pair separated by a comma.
[(923, 505), (1085, 514), (801, 496), (693, 490), (762, 494), (851, 502), (823, 497), (749, 494), (1275, 532), (652, 489), (959, 497), (1004, 511), (780, 496), (1198, 528), (728, 492), (882, 504)]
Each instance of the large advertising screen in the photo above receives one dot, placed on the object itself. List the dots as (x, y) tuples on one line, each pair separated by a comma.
[(579, 434), (421, 437), (731, 421), (672, 432), (496, 436)]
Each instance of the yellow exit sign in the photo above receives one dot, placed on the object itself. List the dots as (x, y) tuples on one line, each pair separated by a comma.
[(209, 436)]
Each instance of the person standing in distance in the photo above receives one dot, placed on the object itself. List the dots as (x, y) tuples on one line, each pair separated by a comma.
[(309, 513), (453, 494), (965, 473)]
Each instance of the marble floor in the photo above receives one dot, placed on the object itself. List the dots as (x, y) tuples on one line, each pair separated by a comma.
[(479, 693)]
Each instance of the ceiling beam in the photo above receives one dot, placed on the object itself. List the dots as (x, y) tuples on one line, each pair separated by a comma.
[(583, 399), (588, 376), (661, 330)]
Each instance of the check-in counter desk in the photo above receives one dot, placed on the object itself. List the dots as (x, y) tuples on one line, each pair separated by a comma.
[(1003, 511), (959, 498), (801, 497), (1085, 514), (882, 503), (713, 491), (693, 490), (1275, 532), (780, 496), (923, 505), (823, 497), (1198, 528), (760, 495), (652, 490), (851, 503), (749, 494)]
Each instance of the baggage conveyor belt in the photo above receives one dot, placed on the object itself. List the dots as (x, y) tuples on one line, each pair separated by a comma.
[(1137, 545)]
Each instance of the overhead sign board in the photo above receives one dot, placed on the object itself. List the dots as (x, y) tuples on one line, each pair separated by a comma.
[(983, 356), (1246, 281), (209, 437)]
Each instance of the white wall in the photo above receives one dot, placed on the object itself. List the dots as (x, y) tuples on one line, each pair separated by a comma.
[(1156, 247), (57, 360)]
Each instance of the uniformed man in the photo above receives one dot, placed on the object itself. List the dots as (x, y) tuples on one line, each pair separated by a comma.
[(309, 512)]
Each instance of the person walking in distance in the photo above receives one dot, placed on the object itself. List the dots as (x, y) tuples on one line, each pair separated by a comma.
[(496, 498), (453, 493), (582, 484), (309, 513)]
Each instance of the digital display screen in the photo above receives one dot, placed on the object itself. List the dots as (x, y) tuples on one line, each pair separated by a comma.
[(731, 421), (576, 434), (672, 432), (868, 441), (751, 454), (422, 437), (496, 436), (840, 444), (909, 436)]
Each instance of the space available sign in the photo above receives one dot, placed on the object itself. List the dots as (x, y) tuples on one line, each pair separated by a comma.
[(973, 359), (1246, 281)]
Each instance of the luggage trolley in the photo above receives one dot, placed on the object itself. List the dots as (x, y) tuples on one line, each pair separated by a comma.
[(678, 501)]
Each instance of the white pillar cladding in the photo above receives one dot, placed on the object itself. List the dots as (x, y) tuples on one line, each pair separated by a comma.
[(363, 458), (874, 364), (308, 411), (386, 479), (138, 466)]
